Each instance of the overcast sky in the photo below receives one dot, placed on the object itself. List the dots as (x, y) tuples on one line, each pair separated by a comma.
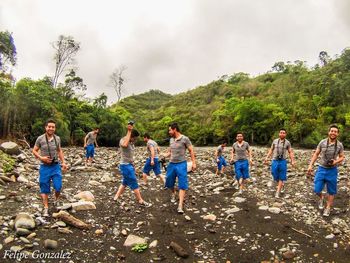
[(173, 46)]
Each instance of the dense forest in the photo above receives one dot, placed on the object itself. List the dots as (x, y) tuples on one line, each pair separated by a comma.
[(302, 99)]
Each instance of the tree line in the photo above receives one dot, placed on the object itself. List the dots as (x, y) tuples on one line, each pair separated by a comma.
[(302, 99)]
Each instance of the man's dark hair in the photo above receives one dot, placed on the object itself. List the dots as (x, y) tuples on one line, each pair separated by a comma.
[(239, 132), (223, 141), (49, 121), (146, 135), (134, 133), (174, 126), (96, 128), (333, 126), (283, 129)]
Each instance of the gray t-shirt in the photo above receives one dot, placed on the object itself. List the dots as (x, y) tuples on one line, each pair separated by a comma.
[(91, 137), (44, 149), (220, 150), (178, 149), (280, 148), (127, 154), (329, 152), (240, 151), (153, 144)]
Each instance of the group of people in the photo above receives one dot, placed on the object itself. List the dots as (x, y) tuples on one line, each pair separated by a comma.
[(330, 151), (48, 150)]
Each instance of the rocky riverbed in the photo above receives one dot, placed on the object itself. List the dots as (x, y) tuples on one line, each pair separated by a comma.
[(218, 224)]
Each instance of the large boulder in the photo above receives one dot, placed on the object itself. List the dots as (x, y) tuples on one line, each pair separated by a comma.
[(24, 220), (83, 205), (85, 195), (132, 240), (10, 148)]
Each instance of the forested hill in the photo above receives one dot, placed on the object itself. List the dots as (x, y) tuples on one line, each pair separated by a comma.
[(301, 99), (304, 100)]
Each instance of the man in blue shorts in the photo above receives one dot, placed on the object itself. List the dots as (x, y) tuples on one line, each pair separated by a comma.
[(89, 144), (278, 150), (332, 154), (240, 154), (50, 154), (152, 162), (177, 167), (127, 168), (220, 159)]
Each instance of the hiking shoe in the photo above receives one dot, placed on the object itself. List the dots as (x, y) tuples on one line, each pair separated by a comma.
[(277, 195), (282, 189), (173, 199), (180, 210), (327, 211), (46, 212), (145, 204), (320, 204), (240, 191)]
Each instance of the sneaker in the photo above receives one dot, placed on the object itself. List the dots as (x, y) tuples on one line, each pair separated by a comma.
[(282, 189), (180, 210), (46, 212), (320, 204), (240, 191), (173, 199), (145, 204), (277, 195), (327, 211)]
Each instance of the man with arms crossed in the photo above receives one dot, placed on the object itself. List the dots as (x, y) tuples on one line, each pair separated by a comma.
[(152, 162), (89, 141), (332, 154), (51, 152), (127, 168), (239, 157), (178, 165), (278, 151)]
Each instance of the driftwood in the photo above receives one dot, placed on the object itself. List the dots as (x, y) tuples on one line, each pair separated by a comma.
[(71, 220), (300, 232), (180, 251)]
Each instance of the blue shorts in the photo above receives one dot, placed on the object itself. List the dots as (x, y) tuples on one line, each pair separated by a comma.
[(148, 167), (177, 170), (279, 170), (48, 173), (90, 151), (241, 169), (129, 177), (222, 162), (326, 176)]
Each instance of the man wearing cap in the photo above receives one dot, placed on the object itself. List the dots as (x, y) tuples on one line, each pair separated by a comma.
[(50, 154), (127, 168)]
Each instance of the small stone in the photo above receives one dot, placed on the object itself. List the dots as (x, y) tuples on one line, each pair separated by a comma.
[(132, 240), (9, 239), (22, 232), (124, 232), (335, 245), (153, 244), (61, 224), (24, 240), (210, 217), (274, 210), (31, 235), (288, 254), (99, 231), (24, 220), (50, 244), (187, 218), (263, 207), (330, 236)]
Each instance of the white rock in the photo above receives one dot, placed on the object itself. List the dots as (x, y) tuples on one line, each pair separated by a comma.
[(83, 205), (85, 195), (274, 210), (263, 207), (232, 210), (238, 199), (132, 240), (330, 236), (153, 244)]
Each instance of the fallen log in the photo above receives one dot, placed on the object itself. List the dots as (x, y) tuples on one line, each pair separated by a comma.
[(71, 220)]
